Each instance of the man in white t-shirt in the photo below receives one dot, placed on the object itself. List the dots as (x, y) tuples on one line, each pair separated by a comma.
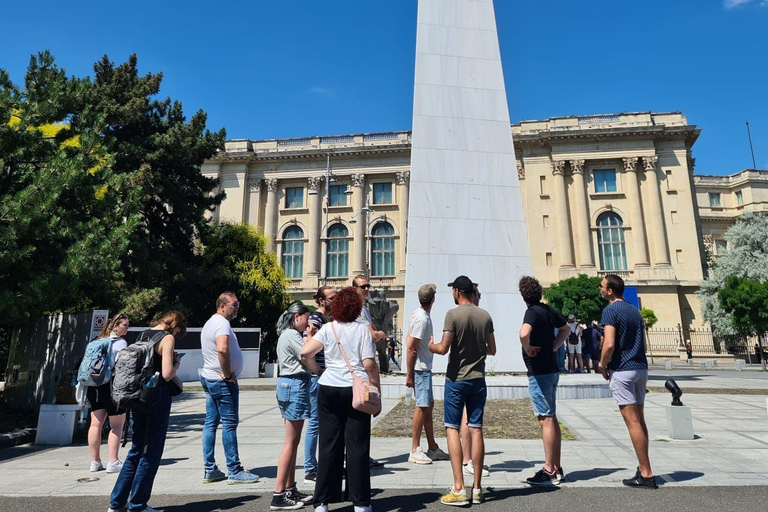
[(419, 377), (222, 363)]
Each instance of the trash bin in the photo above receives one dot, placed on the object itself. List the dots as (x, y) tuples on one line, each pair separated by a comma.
[(56, 424)]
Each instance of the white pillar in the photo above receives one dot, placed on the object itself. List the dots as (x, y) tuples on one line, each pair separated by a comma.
[(358, 202), (655, 214), (640, 255), (581, 217), (403, 179), (561, 207), (271, 214), (313, 237), (254, 201)]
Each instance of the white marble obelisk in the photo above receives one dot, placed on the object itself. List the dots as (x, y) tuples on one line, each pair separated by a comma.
[(465, 208)]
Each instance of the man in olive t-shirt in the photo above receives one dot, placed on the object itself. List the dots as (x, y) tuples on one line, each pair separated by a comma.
[(468, 335)]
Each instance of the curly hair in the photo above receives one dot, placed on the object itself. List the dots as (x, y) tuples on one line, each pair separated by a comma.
[(530, 289), (347, 305)]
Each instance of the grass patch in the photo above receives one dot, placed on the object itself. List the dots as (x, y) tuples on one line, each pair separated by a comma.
[(503, 419), (711, 391)]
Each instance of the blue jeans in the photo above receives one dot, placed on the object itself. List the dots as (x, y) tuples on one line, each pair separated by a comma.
[(140, 466), (310, 438), (460, 393), (561, 356), (222, 404), (543, 392)]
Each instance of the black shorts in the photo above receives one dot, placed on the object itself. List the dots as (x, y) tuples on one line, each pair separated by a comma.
[(99, 397)]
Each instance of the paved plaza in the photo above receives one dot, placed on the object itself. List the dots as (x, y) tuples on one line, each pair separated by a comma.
[(730, 449)]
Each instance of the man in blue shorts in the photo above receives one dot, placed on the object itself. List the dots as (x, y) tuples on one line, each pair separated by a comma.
[(537, 336), (468, 335), (623, 363)]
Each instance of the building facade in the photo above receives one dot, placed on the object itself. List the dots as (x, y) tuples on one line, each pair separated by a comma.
[(601, 194)]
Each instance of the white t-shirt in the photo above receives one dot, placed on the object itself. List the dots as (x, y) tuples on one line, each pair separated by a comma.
[(118, 344), (420, 326), (356, 339), (365, 317), (216, 326)]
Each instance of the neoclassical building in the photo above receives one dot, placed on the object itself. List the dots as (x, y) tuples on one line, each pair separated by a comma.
[(602, 194)]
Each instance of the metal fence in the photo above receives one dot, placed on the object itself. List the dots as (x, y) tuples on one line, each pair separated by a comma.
[(703, 342)]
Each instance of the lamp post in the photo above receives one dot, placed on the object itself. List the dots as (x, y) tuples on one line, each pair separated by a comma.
[(329, 178)]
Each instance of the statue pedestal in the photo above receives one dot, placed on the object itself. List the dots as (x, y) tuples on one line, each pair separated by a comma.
[(680, 422)]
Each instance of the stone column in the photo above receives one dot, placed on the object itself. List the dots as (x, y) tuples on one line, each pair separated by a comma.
[(313, 237), (581, 217), (640, 255), (403, 179), (655, 214), (360, 245), (254, 201), (561, 208), (271, 214)]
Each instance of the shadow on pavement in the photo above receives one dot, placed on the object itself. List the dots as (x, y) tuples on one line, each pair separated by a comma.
[(492, 494), (679, 476), (401, 503), (217, 504), (514, 466), (590, 474), (170, 460), (266, 472)]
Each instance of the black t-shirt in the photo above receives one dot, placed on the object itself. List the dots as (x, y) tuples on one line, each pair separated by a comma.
[(543, 321)]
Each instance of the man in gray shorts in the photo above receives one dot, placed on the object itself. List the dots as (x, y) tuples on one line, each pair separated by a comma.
[(623, 363)]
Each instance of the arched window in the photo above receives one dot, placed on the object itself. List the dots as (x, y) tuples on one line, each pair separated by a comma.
[(337, 252), (610, 240), (293, 252), (383, 250)]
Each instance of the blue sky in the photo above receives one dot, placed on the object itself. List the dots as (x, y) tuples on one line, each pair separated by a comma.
[(293, 68)]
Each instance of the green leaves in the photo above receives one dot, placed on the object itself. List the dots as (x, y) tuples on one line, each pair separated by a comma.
[(745, 301), (578, 296)]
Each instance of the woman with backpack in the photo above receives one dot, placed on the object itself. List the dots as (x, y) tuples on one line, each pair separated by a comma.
[(100, 402), (348, 347), (150, 422), (293, 400)]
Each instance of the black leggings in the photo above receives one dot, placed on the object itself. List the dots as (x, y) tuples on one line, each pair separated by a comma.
[(342, 427)]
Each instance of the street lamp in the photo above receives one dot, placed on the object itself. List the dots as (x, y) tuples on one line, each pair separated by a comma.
[(329, 178)]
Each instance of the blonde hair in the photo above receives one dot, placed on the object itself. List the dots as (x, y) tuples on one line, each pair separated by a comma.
[(111, 324)]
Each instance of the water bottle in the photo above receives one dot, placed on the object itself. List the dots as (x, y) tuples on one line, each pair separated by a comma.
[(152, 382), (408, 396)]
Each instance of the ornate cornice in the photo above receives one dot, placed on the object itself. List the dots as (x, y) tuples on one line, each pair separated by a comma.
[(254, 184), (577, 166), (403, 177), (650, 162), (630, 163), (558, 167), (271, 184), (314, 183)]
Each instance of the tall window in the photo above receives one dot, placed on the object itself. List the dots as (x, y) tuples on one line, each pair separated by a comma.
[(383, 250), (739, 198), (714, 200), (382, 193), (337, 255), (610, 239), (294, 197), (605, 180), (293, 252), (336, 195)]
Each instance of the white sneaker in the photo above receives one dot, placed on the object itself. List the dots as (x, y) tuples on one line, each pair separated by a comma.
[(122, 509), (469, 469), (437, 454), (419, 457), (150, 509), (96, 465), (322, 508), (114, 467)]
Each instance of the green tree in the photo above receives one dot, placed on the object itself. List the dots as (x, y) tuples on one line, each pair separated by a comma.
[(649, 317), (745, 300), (578, 296), (746, 258)]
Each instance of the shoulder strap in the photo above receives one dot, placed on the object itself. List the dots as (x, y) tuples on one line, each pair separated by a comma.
[(341, 348)]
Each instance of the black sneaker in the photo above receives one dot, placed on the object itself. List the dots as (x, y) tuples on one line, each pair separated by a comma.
[(543, 477), (560, 475), (294, 494), (283, 502), (640, 481), (310, 478)]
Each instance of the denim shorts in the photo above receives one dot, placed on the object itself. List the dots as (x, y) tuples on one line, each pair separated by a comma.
[(543, 390), (422, 388), (461, 393), (628, 386), (293, 396)]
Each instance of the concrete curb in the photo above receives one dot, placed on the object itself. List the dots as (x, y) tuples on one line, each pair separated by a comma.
[(17, 438)]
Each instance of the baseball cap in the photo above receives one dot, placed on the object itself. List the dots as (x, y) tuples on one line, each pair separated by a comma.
[(426, 292), (571, 317), (463, 284)]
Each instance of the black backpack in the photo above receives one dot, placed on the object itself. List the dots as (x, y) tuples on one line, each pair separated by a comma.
[(133, 369)]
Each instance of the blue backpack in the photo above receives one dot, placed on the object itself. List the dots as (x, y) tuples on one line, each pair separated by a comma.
[(96, 368)]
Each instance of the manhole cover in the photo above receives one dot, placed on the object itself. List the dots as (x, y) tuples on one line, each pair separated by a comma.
[(86, 480)]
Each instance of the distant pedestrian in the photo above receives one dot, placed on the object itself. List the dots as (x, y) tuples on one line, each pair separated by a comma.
[(318, 318), (419, 377), (468, 335), (539, 353), (222, 365), (133, 487), (689, 351), (101, 404), (342, 427), (575, 361), (294, 404), (624, 364), (591, 345)]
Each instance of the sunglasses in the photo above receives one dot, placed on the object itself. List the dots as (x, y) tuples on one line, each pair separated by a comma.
[(235, 304), (365, 286)]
